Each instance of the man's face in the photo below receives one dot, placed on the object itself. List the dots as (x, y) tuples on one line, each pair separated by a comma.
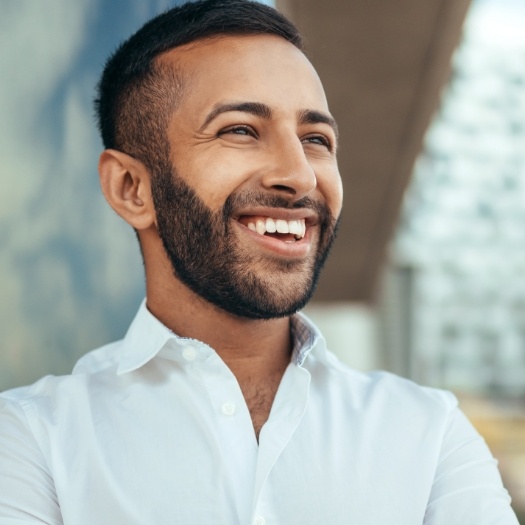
[(252, 150)]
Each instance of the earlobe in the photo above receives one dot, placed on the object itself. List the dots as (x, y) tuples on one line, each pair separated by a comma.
[(126, 185)]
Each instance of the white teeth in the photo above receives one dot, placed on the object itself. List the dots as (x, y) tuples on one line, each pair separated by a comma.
[(282, 226), (295, 227), (260, 227), (270, 225)]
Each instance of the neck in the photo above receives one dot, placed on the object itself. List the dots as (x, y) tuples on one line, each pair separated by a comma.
[(250, 348)]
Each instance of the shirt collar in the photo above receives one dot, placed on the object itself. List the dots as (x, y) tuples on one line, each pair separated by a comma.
[(147, 336), (306, 337), (144, 339)]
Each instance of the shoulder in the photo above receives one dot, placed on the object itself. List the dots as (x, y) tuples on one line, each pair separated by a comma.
[(396, 389), (51, 397), (43, 404), (382, 395)]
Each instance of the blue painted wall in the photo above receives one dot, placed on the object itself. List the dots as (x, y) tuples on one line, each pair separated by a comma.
[(70, 270)]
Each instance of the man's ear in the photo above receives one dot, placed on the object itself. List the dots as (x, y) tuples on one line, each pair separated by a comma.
[(126, 185)]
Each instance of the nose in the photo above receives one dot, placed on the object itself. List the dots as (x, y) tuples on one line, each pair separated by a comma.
[(290, 171)]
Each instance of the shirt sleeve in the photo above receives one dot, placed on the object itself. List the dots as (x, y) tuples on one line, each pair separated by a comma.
[(467, 488), (27, 492)]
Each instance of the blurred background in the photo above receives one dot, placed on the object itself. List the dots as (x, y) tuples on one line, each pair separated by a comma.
[(427, 277)]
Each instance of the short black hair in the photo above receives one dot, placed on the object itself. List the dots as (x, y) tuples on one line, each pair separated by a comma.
[(137, 94)]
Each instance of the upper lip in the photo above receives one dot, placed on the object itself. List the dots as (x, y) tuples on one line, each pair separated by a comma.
[(310, 216)]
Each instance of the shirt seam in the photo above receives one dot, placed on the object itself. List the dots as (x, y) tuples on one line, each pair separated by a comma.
[(27, 405)]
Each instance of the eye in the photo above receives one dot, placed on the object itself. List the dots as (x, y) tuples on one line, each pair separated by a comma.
[(320, 140), (241, 131)]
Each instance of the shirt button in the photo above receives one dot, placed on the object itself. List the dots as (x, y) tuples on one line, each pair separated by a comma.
[(228, 409), (259, 520), (189, 353)]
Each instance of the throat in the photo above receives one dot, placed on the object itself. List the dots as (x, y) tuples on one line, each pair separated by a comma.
[(259, 398)]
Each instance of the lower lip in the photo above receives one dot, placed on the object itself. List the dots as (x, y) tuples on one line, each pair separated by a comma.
[(291, 250)]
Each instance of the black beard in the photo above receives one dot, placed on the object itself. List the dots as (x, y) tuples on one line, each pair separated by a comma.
[(205, 255)]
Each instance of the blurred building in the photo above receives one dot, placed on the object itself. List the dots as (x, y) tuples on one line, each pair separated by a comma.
[(461, 237)]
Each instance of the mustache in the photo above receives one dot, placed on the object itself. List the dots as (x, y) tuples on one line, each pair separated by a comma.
[(251, 198)]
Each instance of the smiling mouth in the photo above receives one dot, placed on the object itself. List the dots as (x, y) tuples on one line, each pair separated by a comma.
[(284, 230)]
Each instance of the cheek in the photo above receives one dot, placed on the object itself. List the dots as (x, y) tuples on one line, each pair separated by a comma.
[(213, 177), (331, 186)]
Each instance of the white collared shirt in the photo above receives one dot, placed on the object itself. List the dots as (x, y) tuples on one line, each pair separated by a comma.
[(154, 430)]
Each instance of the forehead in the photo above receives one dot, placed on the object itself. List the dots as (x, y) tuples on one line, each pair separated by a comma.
[(260, 68)]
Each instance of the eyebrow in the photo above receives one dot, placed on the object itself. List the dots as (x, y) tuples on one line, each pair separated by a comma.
[(306, 116), (254, 108), (310, 116)]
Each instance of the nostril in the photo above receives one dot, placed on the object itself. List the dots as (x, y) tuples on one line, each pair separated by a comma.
[(287, 189)]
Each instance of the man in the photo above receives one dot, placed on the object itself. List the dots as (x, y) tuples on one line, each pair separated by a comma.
[(221, 405)]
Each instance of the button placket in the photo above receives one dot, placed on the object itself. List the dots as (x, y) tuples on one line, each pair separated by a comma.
[(234, 434), (228, 408)]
